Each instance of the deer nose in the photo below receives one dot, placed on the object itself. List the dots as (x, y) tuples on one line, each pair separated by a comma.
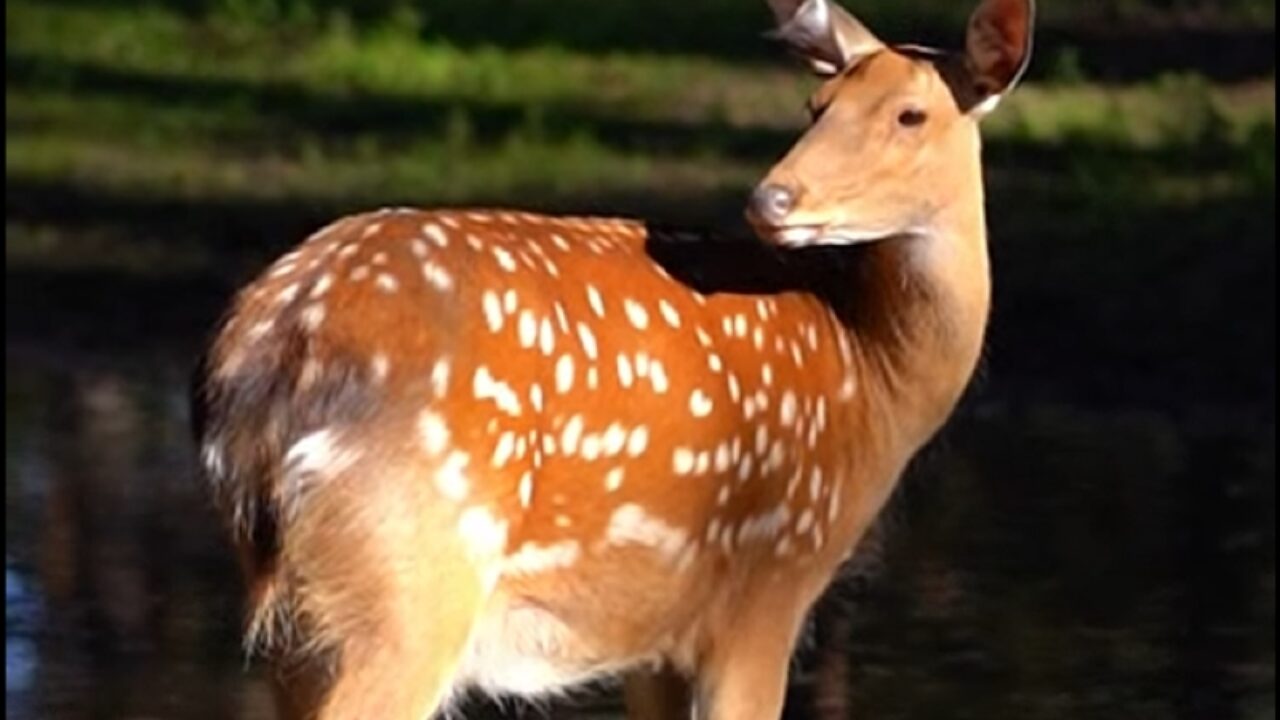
[(772, 203)]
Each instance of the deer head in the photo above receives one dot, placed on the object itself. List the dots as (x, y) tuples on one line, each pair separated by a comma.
[(894, 139)]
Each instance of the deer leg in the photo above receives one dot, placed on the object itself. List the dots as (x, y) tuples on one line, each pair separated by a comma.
[(657, 695), (745, 676), (385, 582)]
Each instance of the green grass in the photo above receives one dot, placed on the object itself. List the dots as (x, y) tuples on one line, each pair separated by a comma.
[(147, 118)]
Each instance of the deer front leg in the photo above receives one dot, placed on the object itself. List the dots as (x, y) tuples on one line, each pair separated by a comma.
[(661, 694), (745, 675)]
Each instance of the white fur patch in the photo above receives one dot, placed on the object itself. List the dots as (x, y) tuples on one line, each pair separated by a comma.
[(450, 479), (317, 453), (533, 558), (527, 651), (434, 432), (630, 524), (315, 456), (484, 534)]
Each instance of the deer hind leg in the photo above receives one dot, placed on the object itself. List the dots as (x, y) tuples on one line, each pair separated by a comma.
[(385, 584)]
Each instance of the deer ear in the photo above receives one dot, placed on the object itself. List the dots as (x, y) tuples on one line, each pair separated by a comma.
[(998, 49), (823, 33)]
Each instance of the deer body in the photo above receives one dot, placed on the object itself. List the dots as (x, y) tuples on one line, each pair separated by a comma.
[(516, 452)]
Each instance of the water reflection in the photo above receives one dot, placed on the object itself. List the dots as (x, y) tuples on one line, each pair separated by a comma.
[(1043, 562)]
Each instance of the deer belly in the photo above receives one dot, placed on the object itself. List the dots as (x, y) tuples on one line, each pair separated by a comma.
[(572, 622), (521, 648)]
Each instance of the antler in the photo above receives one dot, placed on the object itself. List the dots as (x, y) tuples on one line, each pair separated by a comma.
[(824, 33)]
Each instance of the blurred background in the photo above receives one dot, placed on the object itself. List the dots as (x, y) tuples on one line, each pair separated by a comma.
[(1092, 537)]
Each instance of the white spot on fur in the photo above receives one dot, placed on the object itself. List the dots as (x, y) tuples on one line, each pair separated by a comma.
[(322, 286), (631, 525), (564, 374), (525, 489), (625, 376), (805, 522), (669, 313), (590, 450), (311, 317), (387, 283), (658, 377), (484, 534), (316, 453), (638, 440), (287, 294), (588, 340), (533, 558), (787, 410), (527, 329), (700, 403), (504, 449), (492, 310), (485, 386), (436, 276), (815, 484), (613, 440), (723, 458), (642, 364), (435, 234), (562, 319), (505, 261), (434, 431), (682, 461), (450, 479), (636, 314), (440, 377), (259, 329), (595, 300), (571, 435)]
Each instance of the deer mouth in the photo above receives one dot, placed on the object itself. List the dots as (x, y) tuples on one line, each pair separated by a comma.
[(807, 235)]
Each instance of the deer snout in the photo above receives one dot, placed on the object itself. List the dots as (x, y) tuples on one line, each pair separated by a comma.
[(770, 204)]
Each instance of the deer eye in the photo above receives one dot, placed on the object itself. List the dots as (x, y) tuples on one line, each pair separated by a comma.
[(912, 117)]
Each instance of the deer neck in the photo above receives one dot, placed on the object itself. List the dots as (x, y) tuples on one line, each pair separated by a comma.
[(917, 317)]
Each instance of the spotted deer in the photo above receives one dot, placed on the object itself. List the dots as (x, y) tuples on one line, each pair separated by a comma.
[(495, 450)]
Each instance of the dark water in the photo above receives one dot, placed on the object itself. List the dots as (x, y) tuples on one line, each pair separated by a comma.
[(1041, 562)]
